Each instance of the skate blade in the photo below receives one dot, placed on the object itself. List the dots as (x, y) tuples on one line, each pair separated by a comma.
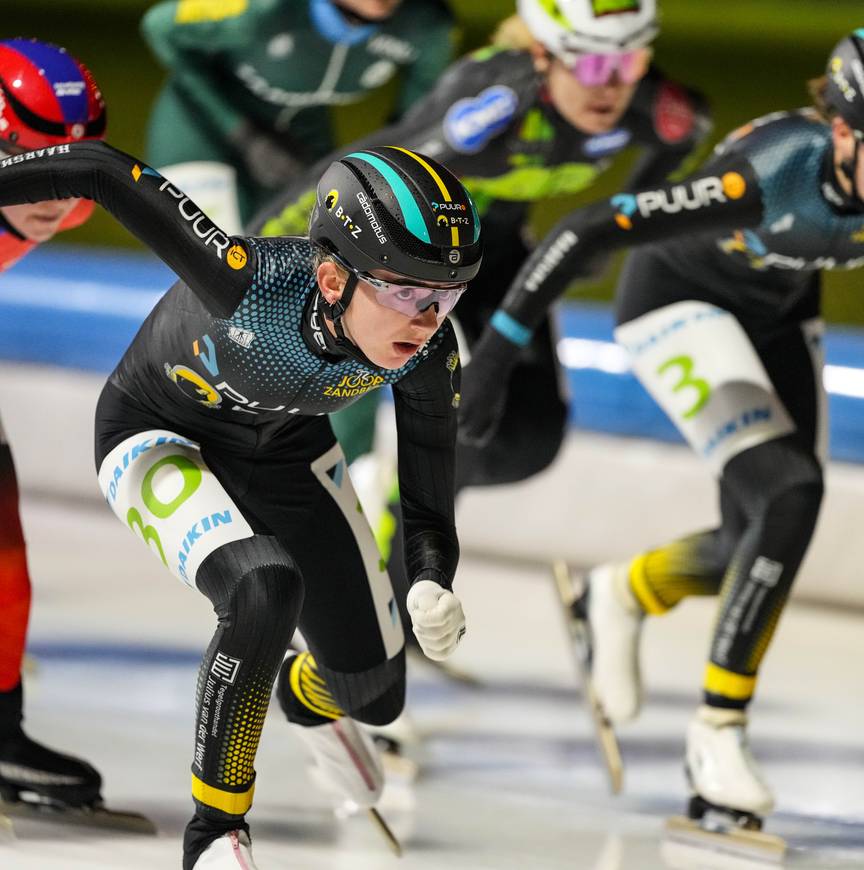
[(604, 733), (91, 817), (735, 848), (386, 833)]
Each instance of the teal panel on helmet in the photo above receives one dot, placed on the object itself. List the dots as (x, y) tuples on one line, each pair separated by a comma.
[(860, 33), (413, 219), (476, 216)]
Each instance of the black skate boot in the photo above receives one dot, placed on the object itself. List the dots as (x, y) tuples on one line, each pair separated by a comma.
[(32, 773), (37, 782)]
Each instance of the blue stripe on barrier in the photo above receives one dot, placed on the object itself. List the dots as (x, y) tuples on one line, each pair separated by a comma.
[(81, 308), (71, 651), (76, 307)]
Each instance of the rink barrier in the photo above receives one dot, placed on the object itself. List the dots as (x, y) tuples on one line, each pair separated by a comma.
[(78, 309), (622, 482)]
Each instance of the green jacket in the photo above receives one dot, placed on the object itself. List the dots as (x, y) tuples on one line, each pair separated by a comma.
[(264, 61)]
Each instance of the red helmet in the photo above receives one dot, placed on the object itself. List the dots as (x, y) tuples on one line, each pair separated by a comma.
[(46, 96)]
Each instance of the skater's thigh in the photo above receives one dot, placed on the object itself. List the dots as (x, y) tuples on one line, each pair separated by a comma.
[(349, 617), (158, 484), (700, 366)]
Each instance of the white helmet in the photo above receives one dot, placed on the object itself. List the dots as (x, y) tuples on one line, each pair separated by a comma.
[(570, 27)]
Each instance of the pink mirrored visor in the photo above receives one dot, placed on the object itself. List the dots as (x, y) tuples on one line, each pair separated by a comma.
[(594, 70), (411, 300)]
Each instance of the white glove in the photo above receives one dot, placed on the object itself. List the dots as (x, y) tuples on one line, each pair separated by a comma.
[(437, 619)]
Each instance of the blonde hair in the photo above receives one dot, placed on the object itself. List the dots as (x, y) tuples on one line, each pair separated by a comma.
[(513, 33), (816, 88), (322, 255)]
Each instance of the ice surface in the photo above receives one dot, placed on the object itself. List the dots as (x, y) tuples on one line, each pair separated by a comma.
[(509, 773)]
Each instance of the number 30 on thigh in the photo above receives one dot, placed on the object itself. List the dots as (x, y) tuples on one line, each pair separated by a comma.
[(191, 475)]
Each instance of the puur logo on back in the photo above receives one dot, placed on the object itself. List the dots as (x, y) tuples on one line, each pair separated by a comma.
[(689, 197)]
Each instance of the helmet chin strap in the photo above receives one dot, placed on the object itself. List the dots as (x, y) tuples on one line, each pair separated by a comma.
[(849, 168), (334, 311)]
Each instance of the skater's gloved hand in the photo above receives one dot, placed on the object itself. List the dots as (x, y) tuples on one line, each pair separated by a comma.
[(269, 161), (484, 387), (437, 619)]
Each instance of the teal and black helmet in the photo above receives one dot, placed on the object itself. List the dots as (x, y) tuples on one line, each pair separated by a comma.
[(844, 92), (392, 208)]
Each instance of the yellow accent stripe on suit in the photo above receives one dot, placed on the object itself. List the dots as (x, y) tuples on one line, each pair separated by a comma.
[(643, 592), (719, 681), (454, 231), (228, 801), (310, 689)]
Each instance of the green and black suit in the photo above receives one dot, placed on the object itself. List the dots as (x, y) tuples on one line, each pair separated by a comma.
[(264, 62)]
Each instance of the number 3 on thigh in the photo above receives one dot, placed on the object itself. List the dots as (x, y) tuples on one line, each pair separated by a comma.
[(685, 364)]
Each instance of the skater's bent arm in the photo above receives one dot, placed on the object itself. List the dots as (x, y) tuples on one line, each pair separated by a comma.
[(217, 267), (722, 197), (426, 401)]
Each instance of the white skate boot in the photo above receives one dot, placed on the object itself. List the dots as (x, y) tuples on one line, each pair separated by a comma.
[(592, 600), (615, 620), (722, 772), (231, 851), (729, 796), (347, 764)]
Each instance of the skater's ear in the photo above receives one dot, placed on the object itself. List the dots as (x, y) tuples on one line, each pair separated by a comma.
[(331, 280)]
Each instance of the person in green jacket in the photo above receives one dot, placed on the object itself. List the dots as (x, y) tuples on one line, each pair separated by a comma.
[(246, 103)]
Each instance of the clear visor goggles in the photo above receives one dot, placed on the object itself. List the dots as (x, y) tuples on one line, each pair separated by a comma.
[(411, 299), (594, 70)]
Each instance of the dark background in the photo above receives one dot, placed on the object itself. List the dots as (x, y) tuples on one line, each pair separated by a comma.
[(749, 56)]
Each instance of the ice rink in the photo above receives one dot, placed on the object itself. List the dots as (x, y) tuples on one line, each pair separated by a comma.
[(509, 776)]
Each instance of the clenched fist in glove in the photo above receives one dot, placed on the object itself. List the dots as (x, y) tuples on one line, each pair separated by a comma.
[(436, 617)]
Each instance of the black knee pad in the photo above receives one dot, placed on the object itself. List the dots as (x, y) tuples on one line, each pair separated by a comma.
[(777, 479), (797, 504), (257, 578), (375, 696)]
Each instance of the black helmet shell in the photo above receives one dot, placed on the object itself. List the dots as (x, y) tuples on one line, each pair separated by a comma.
[(395, 209), (845, 72)]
